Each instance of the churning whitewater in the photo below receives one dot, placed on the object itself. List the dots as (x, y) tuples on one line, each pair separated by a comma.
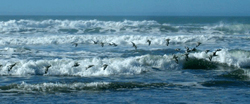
[(134, 54)]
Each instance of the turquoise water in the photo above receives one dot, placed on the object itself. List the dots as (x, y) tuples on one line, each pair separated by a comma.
[(148, 74)]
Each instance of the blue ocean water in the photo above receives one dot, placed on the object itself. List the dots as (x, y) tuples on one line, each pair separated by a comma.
[(54, 59)]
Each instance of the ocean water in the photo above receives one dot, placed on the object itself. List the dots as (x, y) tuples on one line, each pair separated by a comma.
[(53, 59)]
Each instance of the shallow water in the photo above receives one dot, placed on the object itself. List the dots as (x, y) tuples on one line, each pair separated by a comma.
[(148, 74)]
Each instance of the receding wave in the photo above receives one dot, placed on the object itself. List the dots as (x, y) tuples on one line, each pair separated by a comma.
[(50, 26)]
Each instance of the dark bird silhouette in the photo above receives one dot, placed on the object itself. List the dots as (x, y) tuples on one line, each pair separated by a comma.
[(149, 42), (74, 44), (198, 44), (113, 44), (95, 42), (175, 58), (134, 45), (167, 41), (206, 51), (193, 49), (89, 66), (11, 66), (104, 66), (186, 56), (214, 53), (188, 50), (47, 68), (218, 50), (76, 64), (210, 57), (102, 44)]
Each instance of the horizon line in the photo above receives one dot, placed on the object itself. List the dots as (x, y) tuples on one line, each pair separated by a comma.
[(126, 15)]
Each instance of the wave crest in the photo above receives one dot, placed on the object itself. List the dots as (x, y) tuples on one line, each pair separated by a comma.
[(50, 26)]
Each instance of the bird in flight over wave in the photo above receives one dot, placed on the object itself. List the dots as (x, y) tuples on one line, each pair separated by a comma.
[(104, 66), (210, 57), (186, 56), (76, 64), (95, 42), (167, 41), (175, 58), (113, 44), (134, 45), (89, 66), (11, 66), (74, 44), (47, 68), (206, 51), (102, 44), (214, 53), (198, 44), (149, 42)]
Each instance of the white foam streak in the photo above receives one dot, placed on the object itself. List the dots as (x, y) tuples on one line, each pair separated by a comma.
[(51, 86)]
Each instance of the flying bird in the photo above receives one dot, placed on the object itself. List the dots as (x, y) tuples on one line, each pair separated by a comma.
[(149, 42), (95, 42), (198, 44), (102, 44), (134, 45), (76, 64), (47, 68), (104, 66), (175, 58), (11, 66), (206, 51), (210, 57), (186, 56), (113, 44), (89, 66), (74, 44), (188, 50), (167, 41)]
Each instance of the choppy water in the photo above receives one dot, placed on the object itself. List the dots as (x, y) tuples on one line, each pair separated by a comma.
[(148, 74)]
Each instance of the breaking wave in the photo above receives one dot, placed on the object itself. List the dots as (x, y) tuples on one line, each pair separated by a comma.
[(50, 26)]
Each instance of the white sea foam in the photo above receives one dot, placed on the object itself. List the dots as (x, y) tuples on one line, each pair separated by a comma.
[(121, 39), (238, 59), (118, 66), (127, 26)]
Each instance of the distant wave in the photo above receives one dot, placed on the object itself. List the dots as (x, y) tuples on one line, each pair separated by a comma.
[(113, 27)]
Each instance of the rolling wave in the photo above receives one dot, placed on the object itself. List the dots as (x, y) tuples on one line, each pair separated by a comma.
[(51, 26), (226, 60)]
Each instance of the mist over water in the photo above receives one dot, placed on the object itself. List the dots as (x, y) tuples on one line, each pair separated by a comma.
[(64, 46)]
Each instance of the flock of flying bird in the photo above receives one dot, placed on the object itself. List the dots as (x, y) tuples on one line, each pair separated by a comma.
[(104, 66)]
